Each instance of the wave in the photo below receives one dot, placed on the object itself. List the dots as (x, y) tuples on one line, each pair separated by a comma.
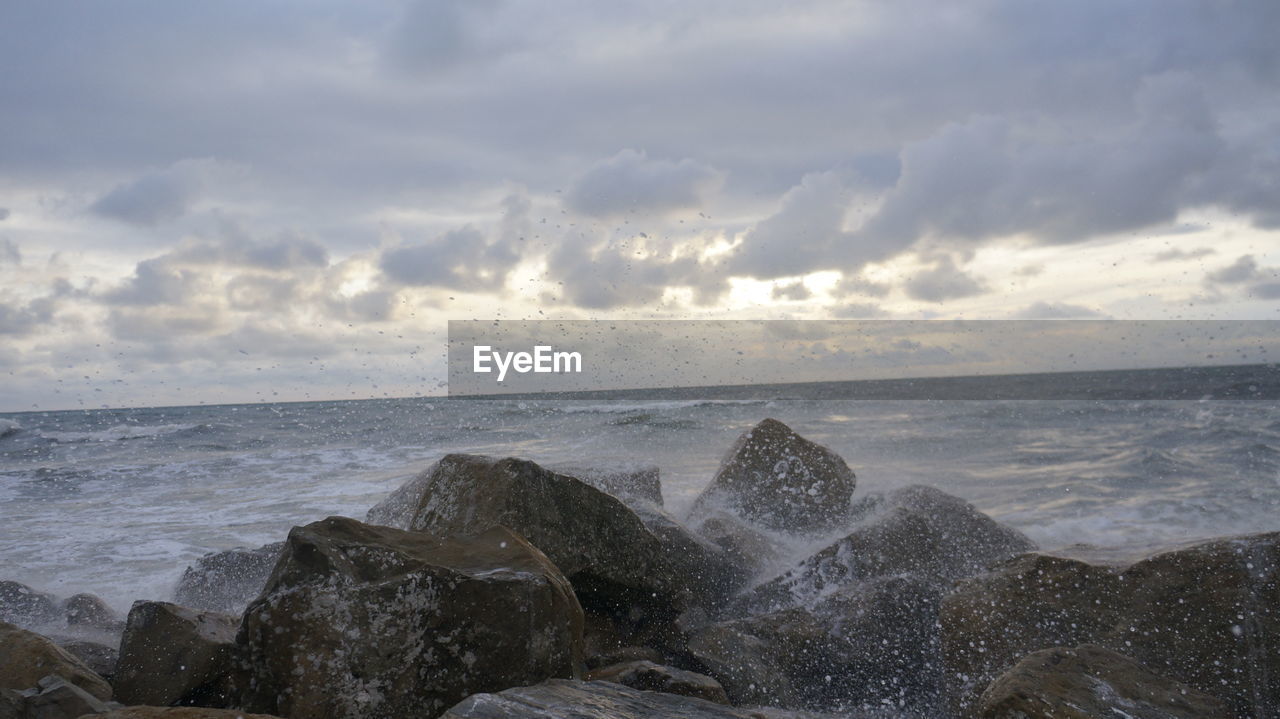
[(627, 407), (8, 427), (122, 432)]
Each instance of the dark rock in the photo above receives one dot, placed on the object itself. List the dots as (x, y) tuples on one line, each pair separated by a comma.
[(618, 566), (635, 485), (623, 655), (13, 705), (227, 581), (710, 574), (657, 678), (917, 530), (750, 657), (1207, 616), (98, 657), (743, 544), (564, 699), (27, 657), (360, 620), (1088, 682), (56, 698), (180, 713), (25, 607), (870, 645), (781, 480), (90, 611), (175, 655)]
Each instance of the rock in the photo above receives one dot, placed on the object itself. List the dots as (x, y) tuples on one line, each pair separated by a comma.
[(564, 699), (171, 654), (88, 610), (1091, 681), (227, 581), (360, 620), (179, 713), (55, 698), (13, 705), (871, 645), (635, 485), (27, 657), (98, 657), (750, 657), (710, 574), (743, 544), (618, 566), (24, 606), (623, 655), (917, 530), (652, 677), (781, 480), (1207, 616)]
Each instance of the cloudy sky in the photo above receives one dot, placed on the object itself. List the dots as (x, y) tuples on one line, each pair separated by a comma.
[(241, 201)]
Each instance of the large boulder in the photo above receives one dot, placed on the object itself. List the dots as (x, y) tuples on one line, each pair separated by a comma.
[(781, 480), (89, 610), (653, 677), (562, 699), (175, 655), (1091, 681), (227, 581), (639, 572), (633, 484), (26, 607), (866, 646), (27, 657), (360, 620), (916, 530), (1207, 616)]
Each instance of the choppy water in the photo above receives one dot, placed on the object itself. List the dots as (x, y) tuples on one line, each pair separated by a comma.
[(118, 502)]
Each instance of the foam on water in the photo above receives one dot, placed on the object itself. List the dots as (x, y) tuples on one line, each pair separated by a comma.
[(118, 502)]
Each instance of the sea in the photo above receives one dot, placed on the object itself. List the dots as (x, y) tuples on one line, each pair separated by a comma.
[(118, 502)]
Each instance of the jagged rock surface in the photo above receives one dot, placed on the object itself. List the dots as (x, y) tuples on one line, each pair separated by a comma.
[(171, 654), (227, 581)]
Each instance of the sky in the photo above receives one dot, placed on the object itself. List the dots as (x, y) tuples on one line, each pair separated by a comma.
[(269, 201)]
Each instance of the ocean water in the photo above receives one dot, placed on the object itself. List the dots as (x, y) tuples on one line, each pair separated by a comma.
[(119, 502)]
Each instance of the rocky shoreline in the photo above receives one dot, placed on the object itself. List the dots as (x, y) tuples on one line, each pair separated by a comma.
[(494, 588)]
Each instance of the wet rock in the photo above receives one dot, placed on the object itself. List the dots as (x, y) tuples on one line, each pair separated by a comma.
[(360, 620), (781, 480), (26, 607), (98, 657), (653, 677), (565, 699), (1091, 681), (88, 610), (633, 484), (710, 574), (27, 657), (55, 698), (1207, 616), (743, 544), (175, 655), (916, 530), (618, 566), (751, 658), (227, 581), (623, 655), (144, 712), (871, 645)]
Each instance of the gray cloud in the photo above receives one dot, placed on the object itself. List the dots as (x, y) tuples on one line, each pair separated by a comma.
[(156, 197), (9, 251), (794, 291), (1244, 269), (4, 214), (1176, 253), (1055, 311), (154, 283), (463, 259), (631, 182), (944, 281)]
